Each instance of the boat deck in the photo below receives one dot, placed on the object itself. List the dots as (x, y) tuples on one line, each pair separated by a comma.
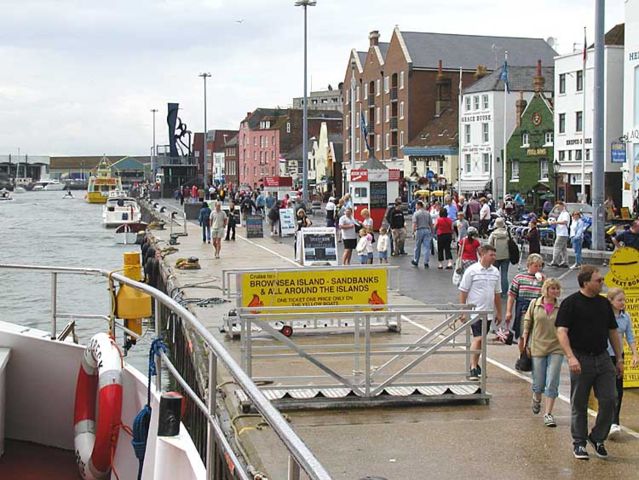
[(30, 461)]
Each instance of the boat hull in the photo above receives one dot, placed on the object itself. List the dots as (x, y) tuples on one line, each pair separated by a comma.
[(96, 197)]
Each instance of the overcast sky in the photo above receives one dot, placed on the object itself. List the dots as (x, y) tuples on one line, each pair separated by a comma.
[(79, 77)]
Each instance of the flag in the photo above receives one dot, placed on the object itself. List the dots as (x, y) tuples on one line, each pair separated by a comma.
[(585, 47), (504, 74), (364, 130)]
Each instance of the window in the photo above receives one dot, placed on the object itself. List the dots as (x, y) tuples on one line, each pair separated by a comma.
[(401, 109), (401, 139), (580, 80), (387, 141), (543, 169), (440, 167), (348, 123), (467, 103), (476, 102), (562, 123), (579, 121), (467, 162), (378, 87), (562, 83), (377, 114), (357, 141), (356, 121), (365, 94), (467, 133), (361, 192), (348, 145), (378, 142), (587, 155), (578, 155), (484, 132), (548, 138), (255, 141), (524, 140), (386, 84), (484, 102), (485, 159), (401, 80), (570, 155), (288, 127), (387, 114), (515, 170), (357, 94)]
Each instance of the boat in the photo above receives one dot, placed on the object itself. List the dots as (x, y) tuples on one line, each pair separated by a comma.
[(48, 184), (53, 390), (102, 183), (128, 233), (19, 189), (5, 195), (120, 210)]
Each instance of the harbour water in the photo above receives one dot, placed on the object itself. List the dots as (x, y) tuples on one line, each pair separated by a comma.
[(42, 228)]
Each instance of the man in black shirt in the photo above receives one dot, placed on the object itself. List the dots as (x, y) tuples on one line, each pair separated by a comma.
[(585, 322), (396, 221)]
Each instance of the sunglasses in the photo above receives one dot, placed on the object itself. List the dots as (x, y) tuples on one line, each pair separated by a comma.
[(598, 280)]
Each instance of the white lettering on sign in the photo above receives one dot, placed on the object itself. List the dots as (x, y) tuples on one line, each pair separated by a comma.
[(476, 118)]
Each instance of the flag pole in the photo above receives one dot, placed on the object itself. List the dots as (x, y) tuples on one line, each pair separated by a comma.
[(459, 134), (583, 122), (504, 161)]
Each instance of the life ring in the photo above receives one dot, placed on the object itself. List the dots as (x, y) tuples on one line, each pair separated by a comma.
[(99, 377)]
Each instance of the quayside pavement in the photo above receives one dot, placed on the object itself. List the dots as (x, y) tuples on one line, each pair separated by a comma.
[(501, 439)]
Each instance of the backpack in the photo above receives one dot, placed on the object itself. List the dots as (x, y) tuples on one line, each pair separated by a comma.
[(513, 250)]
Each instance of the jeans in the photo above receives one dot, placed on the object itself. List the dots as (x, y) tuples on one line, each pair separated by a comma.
[(619, 385), (399, 237), (502, 266), (560, 251), (598, 373), (422, 241), (576, 245), (545, 374), (206, 232), (521, 306)]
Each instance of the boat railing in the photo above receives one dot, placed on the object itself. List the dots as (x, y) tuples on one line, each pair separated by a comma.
[(300, 458)]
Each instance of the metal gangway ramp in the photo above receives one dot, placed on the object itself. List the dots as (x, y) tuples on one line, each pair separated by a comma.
[(427, 360)]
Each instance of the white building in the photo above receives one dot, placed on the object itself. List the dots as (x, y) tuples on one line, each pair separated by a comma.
[(631, 104), (482, 125), (574, 129)]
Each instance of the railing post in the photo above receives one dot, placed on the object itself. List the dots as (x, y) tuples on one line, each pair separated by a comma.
[(367, 356), (484, 334), (158, 359), (211, 404), (294, 472), (356, 366), (112, 309), (54, 305)]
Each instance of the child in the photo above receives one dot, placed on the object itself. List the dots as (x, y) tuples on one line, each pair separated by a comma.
[(382, 245), (364, 245), (618, 301), (461, 226)]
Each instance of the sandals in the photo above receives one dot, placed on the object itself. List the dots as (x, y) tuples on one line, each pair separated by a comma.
[(536, 405)]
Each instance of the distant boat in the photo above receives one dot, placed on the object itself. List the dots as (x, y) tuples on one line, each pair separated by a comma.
[(19, 189), (5, 195), (48, 185), (102, 183), (127, 234)]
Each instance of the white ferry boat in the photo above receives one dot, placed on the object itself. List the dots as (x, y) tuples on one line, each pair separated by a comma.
[(120, 210), (48, 185)]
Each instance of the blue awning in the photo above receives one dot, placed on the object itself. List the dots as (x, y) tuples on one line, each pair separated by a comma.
[(429, 151)]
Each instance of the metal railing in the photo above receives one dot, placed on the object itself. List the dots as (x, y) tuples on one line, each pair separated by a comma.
[(377, 363), (300, 458), (171, 215)]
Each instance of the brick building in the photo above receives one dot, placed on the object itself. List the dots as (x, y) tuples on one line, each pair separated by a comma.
[(268, 134), (397, 90), (231, 168), (215, 143)]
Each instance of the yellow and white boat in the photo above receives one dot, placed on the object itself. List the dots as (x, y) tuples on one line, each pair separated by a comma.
[(102, 183)]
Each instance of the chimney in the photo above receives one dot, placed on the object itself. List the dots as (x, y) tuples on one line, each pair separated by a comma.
[(443, 84), (539, 81), (481, 72), (373, 38), (520, 106)]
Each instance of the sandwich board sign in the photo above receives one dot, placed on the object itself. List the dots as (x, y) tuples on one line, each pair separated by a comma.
[(319, 246), (287, 221)]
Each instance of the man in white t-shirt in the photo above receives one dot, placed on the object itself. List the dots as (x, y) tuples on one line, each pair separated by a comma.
[(484, 217), (562, 235), (481, 286)]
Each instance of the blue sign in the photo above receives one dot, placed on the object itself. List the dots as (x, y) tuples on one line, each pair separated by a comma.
[(618, 152)]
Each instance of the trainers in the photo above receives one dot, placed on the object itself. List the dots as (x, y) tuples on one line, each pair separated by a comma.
[(478, 370), (615, 430), (549, 420), (580, 452), (474, 374), (413, 263), (536, 406), (600, 449)]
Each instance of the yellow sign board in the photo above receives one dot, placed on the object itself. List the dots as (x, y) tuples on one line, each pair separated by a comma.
[(307, 288), (624, 273)]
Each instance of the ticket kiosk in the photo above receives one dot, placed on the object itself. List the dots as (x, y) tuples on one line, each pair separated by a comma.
[(374, 187)]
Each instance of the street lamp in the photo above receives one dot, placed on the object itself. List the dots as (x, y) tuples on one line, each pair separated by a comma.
[(153, 156), (204, 76), (305, 4), (555, 174)]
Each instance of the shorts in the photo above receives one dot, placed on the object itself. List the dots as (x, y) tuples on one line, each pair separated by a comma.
[(383, 255), (350, 243), (217, 233), (476, 327), (363, 259)]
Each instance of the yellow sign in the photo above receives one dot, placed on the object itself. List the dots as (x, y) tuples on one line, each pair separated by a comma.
[(624, 273), (307, 288), (536, 151)]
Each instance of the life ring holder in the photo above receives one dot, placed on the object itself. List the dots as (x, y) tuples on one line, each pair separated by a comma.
[(98, 407)]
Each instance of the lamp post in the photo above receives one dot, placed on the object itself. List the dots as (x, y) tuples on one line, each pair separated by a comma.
[(154, 167), (555, 173), (305, 4), (204, 76)]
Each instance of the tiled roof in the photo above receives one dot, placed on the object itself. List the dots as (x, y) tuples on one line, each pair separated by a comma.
[(520, 79), (468, 51), (440, 131), (362, 57), (383, 47)]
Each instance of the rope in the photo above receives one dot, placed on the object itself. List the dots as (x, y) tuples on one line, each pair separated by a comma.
[(140, 430)]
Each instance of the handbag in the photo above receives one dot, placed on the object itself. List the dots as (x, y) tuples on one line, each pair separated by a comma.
[(513, 250), (524, 363), (459, 262)]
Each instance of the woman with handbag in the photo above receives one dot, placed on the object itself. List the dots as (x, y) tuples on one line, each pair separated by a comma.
[(540, 337), (499, 239)]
